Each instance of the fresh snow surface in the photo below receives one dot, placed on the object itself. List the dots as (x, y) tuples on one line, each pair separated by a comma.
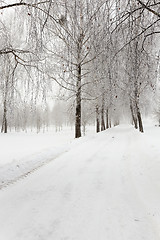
[(101, 187)]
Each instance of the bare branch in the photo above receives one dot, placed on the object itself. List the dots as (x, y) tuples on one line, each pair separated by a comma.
[(149, 9)]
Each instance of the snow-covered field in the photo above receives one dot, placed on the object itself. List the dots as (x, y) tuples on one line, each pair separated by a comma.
[(104, 186)]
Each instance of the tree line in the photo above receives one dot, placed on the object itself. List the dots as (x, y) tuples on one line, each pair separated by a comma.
[(101, 56)]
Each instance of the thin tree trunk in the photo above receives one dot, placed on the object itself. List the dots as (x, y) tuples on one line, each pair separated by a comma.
[(78, 105), (107, 119), (4, 122), (102, 116), (102, 121), (134, 118), (140, 124), (78, 84), (138, 113), (97, 120)]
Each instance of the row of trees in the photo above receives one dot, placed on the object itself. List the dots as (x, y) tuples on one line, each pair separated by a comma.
[(101, 54)]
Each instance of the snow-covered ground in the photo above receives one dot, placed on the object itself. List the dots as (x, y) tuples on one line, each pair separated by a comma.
[(21, 153), (104, 186)]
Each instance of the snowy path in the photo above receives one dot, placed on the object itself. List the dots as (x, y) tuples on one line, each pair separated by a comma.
[(105, 188)]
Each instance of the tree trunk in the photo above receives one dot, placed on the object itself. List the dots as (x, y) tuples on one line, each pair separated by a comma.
[(134, 118), (102, 121), (97, 120), (4, 122), (78, 105), (140, 124), (102, 116), (107, 119), (138, 113)]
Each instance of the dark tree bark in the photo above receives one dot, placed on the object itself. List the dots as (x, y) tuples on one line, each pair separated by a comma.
[(97, 120), (107, 119), (4, 122), (137, 109), (102, 115), (78, 105), (5, 105), (136, 86), (140, 123), (102, 121), (134, 117)]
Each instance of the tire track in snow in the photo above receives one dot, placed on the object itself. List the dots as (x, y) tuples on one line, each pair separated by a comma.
[(33, 170), (28, 173)]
